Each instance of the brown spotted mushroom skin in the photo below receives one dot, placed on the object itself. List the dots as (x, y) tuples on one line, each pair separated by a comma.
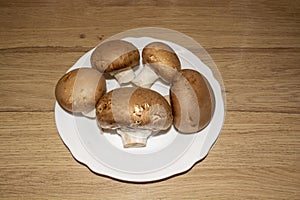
[(80, 89), (192, 101), (115, 55), (162, 59), (134, 108)]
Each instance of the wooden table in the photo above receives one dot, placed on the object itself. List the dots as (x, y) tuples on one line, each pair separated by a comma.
[(256, 46)]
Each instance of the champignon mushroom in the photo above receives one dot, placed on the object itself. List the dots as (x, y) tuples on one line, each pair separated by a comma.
[(79, 90), (192, 101), (117, 58), (159, 60), (135, 112)]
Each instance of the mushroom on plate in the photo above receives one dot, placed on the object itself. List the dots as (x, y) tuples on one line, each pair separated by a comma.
[(117, 58), (136, 113), (159, 60), (192, 101), (79, 90)]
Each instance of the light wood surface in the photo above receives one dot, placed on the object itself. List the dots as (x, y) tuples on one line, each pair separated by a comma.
[(256, 45)]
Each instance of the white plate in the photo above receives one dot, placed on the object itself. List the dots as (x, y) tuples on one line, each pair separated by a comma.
[(165, 155)]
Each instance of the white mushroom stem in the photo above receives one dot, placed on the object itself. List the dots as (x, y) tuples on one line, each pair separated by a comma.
[(134, 138), (146, 77), (90, 114), (124, 76)]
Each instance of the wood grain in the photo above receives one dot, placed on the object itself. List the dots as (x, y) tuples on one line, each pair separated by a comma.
[(256, 46), (226, 24), (35, 163), (30, 86)]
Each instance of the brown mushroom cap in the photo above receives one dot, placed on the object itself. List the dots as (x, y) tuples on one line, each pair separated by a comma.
[(80, 89), (162, 59), (134, 108), (192, 101), (115, 55)]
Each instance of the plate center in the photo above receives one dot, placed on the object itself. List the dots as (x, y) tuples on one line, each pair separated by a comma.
[(154, 143)]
